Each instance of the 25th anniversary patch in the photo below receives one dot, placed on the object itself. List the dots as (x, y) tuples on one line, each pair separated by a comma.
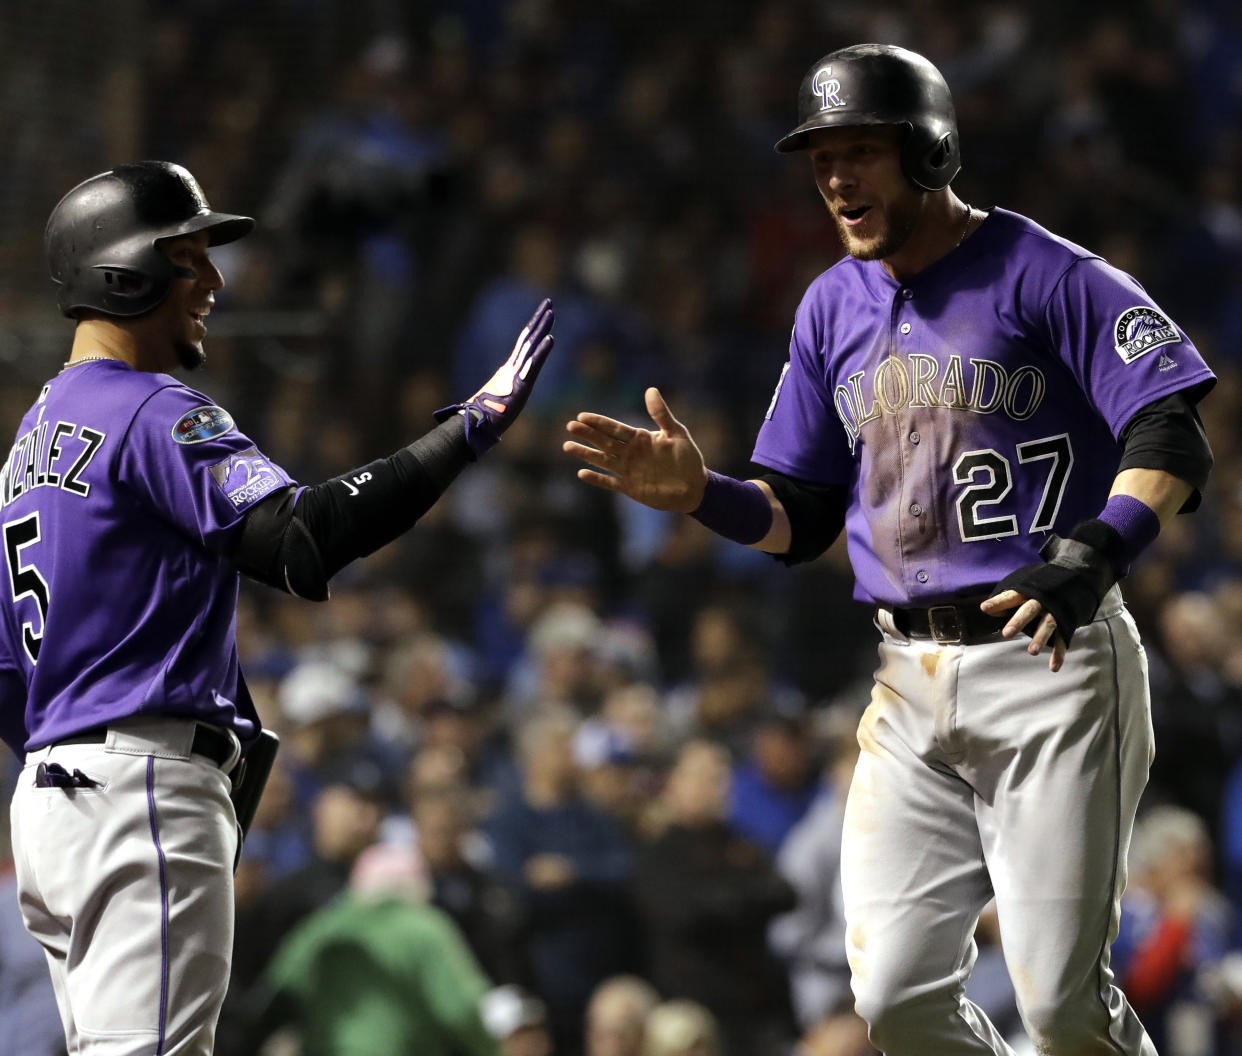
[(245, 477)]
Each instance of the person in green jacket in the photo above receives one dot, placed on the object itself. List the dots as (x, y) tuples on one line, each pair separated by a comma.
[(381, 972)]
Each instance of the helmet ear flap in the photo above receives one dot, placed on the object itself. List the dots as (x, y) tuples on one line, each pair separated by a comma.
[(931, 167), (114, 291), (939, 155)]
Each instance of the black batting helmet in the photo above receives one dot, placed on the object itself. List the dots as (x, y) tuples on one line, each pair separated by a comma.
[(881, 84), (101, 238)]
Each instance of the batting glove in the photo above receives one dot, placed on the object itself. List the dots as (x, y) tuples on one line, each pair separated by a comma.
[(1073, 577), (491, 410)]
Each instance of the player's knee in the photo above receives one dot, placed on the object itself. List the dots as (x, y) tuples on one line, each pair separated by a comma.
[(1068, 1029), (892, 1014)]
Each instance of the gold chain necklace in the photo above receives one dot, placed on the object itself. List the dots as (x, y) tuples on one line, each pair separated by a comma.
[(970, 215), (85, 359)]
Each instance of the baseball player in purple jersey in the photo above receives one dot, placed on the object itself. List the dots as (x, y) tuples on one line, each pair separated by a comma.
[(1000, 421), (130, 503)]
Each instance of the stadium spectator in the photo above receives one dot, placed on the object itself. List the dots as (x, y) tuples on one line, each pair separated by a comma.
[(810, 939), (1175, 926), (1231, 846), (617, 1015), (346, 816), (612, 775), (776, 782), (729, 680), (325, 717), (569, 866), (707, 896), (681, 1027), (485, 912), (537, 261), (380, 970), (518, 1021), (562, 662), (1194, 706), (420, 670)]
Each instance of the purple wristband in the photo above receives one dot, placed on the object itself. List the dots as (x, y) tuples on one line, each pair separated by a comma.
[(1134, 521), (738, 510)]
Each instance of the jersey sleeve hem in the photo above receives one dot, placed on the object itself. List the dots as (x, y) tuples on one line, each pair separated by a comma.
[(1202, 381)]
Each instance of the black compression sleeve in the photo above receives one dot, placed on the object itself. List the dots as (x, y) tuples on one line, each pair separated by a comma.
[(299, 544), (356, 513), (1168, 435), (816, 513)]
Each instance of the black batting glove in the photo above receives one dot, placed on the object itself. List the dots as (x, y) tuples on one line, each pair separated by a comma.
[(491, 410), (1073, 577)]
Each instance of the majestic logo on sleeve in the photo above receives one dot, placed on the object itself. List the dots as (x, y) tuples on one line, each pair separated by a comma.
[(202, 423), (1141, 329), (828, 89), (245, 477)]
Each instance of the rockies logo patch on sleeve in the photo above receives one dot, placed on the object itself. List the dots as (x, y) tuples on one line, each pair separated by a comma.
[(1141, 329)]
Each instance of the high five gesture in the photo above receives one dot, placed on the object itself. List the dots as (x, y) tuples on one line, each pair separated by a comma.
[(661, 468)]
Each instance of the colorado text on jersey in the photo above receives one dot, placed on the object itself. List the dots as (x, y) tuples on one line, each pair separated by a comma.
[(896, 384)]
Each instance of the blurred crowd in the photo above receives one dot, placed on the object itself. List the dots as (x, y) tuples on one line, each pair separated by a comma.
[(562, 775)]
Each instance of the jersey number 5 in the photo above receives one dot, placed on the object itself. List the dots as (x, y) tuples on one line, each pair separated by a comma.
[(25, 580), (989, 478)]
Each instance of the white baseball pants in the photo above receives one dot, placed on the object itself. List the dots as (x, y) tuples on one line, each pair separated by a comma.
[(983, 772), (128, 885)]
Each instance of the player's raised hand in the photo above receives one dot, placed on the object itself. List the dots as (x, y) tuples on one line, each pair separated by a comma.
[(661, 468), (491, 410)]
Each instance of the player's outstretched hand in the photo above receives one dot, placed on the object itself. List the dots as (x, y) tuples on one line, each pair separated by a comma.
[(491, 410), (661, 468), (1028, 609)]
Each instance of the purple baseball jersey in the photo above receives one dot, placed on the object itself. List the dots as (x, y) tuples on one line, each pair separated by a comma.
[(119, 501), (972, 408)]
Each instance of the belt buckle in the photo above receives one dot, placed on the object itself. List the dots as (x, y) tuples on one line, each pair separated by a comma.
[(945, 624)]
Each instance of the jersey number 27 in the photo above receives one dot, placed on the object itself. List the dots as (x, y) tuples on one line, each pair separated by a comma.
[(987, 472)]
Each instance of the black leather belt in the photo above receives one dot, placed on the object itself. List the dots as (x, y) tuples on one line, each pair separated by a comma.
[(209, 741), (963, 624)]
